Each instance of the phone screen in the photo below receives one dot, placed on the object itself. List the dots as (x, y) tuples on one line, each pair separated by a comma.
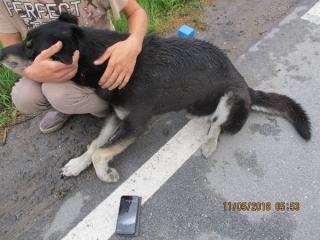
[(127, 223)]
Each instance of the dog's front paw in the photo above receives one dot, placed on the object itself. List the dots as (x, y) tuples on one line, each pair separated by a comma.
[(75, 166), (100, 160)]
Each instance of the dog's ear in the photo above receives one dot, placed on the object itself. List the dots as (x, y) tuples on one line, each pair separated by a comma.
[(69, 18), (63, 57), (77, 31)]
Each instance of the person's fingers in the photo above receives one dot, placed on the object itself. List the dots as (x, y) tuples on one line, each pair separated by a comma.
[(75, 58), (67, 74), (107, 74), (118, 81), (48, 53), (59, 66), (70, 75), (126, 80), (106, 55), (111, 80)]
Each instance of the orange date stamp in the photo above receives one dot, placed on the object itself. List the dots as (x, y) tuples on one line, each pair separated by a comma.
[(280, 206)]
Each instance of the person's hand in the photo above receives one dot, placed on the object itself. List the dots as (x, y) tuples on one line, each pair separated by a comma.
[(123, 56), (44, 69)]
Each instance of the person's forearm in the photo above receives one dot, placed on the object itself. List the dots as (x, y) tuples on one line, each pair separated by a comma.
[(138, 23), (8, 39)]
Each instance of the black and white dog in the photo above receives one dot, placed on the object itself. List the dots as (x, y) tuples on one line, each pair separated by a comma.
[(171, 74)]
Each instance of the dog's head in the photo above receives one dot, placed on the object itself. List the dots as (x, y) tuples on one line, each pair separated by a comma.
[(65, 29)]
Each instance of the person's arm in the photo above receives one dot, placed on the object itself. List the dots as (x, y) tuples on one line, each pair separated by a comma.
[(8, 39), (137, 21), (123, 55), (43, 69)]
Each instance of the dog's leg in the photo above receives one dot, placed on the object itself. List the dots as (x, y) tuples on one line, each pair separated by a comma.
[(129, 129), (210, 145), (77, 165), (216, 120), (103, 156)]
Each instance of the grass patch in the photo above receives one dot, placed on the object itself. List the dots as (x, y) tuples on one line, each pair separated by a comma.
[(164, 16), (7, 111), (167, 15)]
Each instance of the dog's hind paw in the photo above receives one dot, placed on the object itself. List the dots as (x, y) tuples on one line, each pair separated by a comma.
[(75, 166), (209, 147)]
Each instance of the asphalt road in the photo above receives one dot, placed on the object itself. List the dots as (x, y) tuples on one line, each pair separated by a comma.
[(275, 50)]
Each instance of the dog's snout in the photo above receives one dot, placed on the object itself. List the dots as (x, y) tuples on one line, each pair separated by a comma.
[(1, 55), (13, 64)]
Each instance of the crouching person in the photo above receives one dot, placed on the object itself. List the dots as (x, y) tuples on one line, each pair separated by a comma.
[(46, 85)]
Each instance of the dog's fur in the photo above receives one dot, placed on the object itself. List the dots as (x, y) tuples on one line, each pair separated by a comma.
[(171, 74)]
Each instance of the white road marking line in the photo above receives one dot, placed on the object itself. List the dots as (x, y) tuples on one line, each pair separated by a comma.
[(100, 223), (313, 15)]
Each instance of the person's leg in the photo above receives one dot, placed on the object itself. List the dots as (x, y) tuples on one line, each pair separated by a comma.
[(70, 98), (28, 98)]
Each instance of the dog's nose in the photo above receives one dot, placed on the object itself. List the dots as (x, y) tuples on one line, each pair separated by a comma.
[(1, 55)]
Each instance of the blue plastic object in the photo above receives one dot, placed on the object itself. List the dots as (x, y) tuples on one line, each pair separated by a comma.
[(186, 31)]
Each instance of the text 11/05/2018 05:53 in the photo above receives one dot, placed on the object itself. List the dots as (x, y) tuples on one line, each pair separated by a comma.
[(261, 206)]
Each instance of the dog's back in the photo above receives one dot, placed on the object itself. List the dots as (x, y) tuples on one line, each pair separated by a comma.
[(173, 74)]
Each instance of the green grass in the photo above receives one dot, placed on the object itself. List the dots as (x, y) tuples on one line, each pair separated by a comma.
[(161, 13), (163, 16), (7, 111)]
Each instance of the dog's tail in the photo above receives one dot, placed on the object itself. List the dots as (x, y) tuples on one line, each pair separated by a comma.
[(281, 105)]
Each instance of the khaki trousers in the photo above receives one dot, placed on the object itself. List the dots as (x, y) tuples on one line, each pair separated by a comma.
[(30, 97)]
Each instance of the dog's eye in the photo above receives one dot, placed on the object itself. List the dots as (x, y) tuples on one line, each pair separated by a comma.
[(29, 43)]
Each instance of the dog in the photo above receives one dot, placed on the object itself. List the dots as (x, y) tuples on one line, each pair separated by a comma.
[(171, 74)]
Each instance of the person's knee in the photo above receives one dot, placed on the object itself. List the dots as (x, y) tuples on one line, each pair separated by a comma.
[(27, 97), (70, 98), (58, 96)]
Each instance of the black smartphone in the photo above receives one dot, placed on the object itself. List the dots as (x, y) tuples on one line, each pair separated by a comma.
[(128, 216)]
